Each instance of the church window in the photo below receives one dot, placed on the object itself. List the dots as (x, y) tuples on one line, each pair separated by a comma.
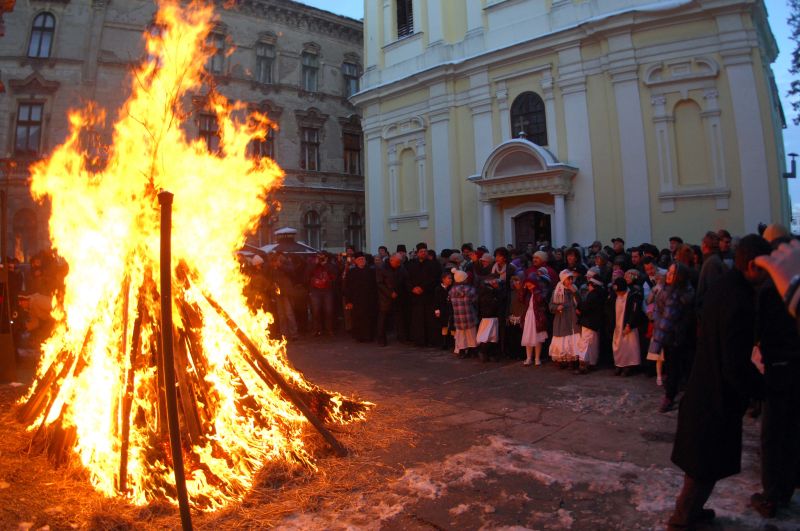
[(528, 117), (405, 18)]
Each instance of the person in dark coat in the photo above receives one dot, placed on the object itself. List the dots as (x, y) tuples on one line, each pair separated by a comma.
[(779, 347), (591, 317), (391, 285), (361, 297), (441, 308), (708, 442), (423, 276)]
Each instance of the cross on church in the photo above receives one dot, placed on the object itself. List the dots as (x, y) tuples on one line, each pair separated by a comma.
[(522, 123)]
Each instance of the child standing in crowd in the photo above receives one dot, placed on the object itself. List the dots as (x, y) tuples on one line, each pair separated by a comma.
[(441, 307), (491, 304), (625, 343), (465, 319), (563, 305), (591, 316), (517, 306), (534, 332)]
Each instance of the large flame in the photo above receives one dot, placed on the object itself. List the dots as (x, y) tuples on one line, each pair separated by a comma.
[(104, 223)]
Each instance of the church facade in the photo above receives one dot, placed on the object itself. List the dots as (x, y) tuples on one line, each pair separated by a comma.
[(520, 121)]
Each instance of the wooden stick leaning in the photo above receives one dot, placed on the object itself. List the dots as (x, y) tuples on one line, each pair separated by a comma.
[(262, 367)]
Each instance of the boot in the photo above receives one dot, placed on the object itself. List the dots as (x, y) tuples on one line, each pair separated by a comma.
[(483, 353), (582, 368)]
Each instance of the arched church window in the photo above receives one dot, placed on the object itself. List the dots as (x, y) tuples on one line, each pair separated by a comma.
[(528, 116)]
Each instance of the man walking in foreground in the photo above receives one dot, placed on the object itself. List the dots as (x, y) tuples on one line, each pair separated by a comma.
[(708, 443)]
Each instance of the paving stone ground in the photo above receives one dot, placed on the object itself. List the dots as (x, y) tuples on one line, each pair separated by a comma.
[(501, 446)]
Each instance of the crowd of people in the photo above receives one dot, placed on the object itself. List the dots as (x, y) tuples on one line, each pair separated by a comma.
[(705, 320)]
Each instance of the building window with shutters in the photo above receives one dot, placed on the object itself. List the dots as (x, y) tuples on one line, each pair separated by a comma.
[(208, 130), (312, 226), (42, 31), (310, 71), (28, 133), (265, 58), (352, 153), (309, 148), (350, 75), (216, 62), (528, 116), (405, 18)]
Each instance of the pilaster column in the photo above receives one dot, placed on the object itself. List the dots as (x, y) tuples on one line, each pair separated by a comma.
[(559, 221), (481, 106), (572, 82), (713, 129), (487, 224), (375, 189), (753, 166), (501, 95), (435, 33), (550, 112), (442, 183)]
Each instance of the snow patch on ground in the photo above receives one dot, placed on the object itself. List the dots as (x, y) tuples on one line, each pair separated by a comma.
[(651, 490)]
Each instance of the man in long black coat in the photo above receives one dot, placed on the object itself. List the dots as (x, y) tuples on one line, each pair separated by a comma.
[(391, 280), (361, 296), (708, 443), (423, 277)]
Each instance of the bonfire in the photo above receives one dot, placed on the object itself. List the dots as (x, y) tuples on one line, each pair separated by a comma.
[(98, 394)]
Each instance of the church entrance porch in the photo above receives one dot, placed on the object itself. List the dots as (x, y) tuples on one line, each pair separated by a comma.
[(518, 178)]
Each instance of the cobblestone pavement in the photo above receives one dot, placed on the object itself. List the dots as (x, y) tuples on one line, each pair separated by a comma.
[(502, 446)]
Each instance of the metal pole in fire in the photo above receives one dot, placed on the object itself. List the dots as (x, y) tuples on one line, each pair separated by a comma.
[(165, 200)]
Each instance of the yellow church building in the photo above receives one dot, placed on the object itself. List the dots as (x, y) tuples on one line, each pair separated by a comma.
[(517, 121)]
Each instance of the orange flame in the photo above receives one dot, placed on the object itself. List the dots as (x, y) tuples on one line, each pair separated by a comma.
[(104, 222)]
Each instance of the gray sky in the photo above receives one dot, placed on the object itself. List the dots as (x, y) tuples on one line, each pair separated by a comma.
[(778, 13)]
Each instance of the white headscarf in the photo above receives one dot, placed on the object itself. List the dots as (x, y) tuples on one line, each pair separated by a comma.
[(559, 297)]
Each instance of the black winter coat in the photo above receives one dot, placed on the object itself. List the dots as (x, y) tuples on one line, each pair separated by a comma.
[(441, 303), (425, 274), (491, 302), (593, 309), (390, 281), (708, 443)]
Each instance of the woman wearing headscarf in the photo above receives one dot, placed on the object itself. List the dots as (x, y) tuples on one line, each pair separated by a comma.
[(672, 328), (566, 331)]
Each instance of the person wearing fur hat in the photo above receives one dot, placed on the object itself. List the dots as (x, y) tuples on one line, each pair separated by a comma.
[(441, 307), (534, 330), (566, 332), (423, 277), (462, 298)]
